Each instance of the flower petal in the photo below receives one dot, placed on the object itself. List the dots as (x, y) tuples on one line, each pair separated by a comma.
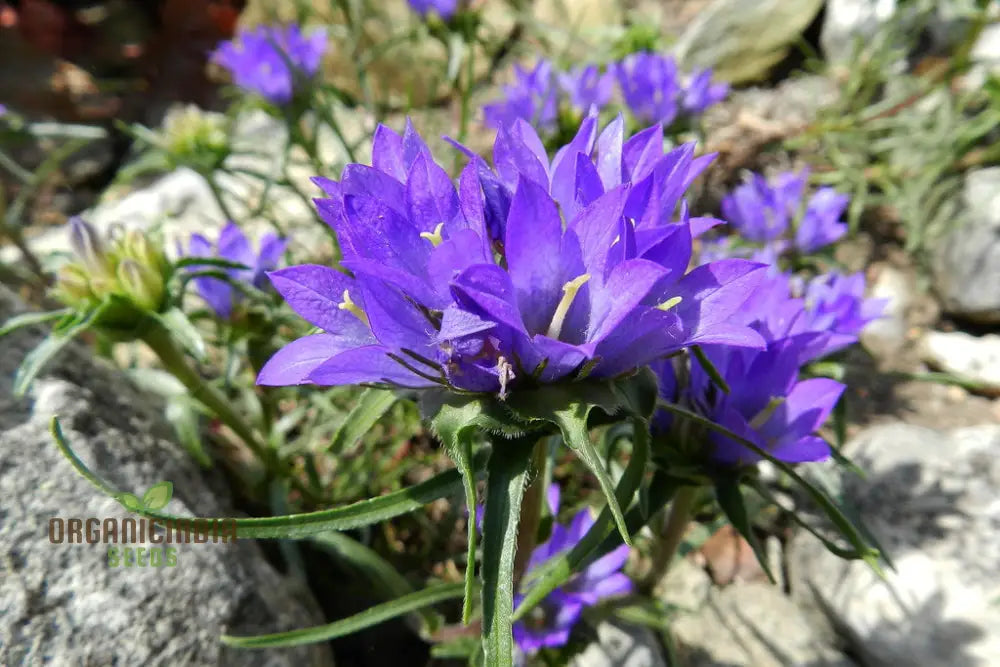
[(293, 363)]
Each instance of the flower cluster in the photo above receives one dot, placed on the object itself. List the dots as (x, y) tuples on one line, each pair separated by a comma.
[(650, 85), (126, 265), (271, 60), (444, 8), (484, 288), (548, 625), (801, 320), (762, 211), (233, 246)]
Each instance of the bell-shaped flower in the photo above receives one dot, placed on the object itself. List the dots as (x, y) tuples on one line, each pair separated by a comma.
[(536, 300), (269, 60), (820, 225), (700, 93), (767, 404), (233, 246), (444, 8), (548, 624), (532, 96)]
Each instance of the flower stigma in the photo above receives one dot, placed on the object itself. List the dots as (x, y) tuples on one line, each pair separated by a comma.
[(569, 294), (434, 237), (353, 308)]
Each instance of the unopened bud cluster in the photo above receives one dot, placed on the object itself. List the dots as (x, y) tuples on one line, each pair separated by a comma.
[(125, 264)]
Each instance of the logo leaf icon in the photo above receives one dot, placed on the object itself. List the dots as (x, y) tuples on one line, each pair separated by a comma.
[(129, 502), (158, 496)]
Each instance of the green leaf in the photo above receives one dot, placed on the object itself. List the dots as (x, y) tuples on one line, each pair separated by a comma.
[(371, 406), (568, 408), (710, 369), (29, 319), (380, 574), (559, 569), (456, 424), (158, 496), (130, 502), (864, 550), (183, 331), (182, 414), (727, 492), (298, 526), (345, 626), (36, 360), (505, 481), (209, 261)]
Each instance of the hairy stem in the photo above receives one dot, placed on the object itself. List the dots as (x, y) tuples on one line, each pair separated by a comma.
[(158, 338), (531, 510), (673, 532)]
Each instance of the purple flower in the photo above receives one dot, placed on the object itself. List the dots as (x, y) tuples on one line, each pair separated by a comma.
[(3, 109), (821, 226), (760, 210), (444, 8), (533, 97), (483, 287), (767, 404), (649, 85), (548, 625), (587, 87), (268, 60), (831, 307), (836, 304), (700, 93), (234, 247)]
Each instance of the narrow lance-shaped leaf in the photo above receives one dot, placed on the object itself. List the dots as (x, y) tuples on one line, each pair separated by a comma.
[(843, 524), (569, 409), (506, 474), (730, 498), (560, 568), (709, 368), (371, 407), (298, 526), (382, 576), (351, 624), (456, 423), (29, 319), (36, 360)]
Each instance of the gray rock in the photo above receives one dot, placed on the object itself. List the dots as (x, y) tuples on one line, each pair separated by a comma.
[(754, 624), (621, 645), (976, 359), (931, 498), (64, 604), (847, 23), (967, 259), (743, 39), (887, 335)]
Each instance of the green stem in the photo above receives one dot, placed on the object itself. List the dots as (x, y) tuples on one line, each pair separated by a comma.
[(158, 338), (673, 533), (531, 510)]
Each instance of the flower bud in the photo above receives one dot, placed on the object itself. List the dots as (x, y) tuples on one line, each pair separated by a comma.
[(140, 284), (72, 286), (136, 246), (88, 246)]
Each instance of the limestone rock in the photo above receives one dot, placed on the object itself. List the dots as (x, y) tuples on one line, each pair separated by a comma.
[(968, 357), (931, 499), (754, 624), (743, 39), (621, 645), (64, 603), (967, 260)]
